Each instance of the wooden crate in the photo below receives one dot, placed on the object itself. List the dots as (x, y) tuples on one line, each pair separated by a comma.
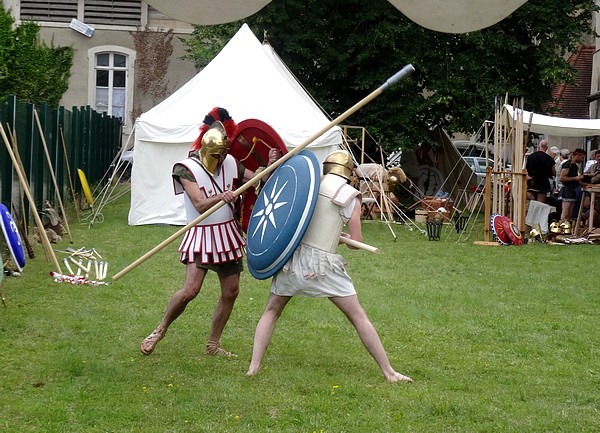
[(443, 217), (431, 203)]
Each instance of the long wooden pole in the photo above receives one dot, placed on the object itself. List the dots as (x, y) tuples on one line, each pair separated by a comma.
[(407, 70), (45, 146), (359, 245), (13, 138), (64, 146), (38, 220)]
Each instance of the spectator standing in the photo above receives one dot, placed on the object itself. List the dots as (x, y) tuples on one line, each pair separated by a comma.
[(540, 169), (562, 157), (570, 178)]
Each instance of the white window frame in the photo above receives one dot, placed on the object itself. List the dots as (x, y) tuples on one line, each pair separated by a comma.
[(131, 57)]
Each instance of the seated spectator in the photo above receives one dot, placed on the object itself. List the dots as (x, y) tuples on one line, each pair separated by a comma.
[(594, 168), (591, 176), (590, 161)]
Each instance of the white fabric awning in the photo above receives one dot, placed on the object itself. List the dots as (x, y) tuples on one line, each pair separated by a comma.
[(550, 125), (450, 16)]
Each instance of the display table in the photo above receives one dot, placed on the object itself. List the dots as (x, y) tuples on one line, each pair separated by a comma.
[(591, 190)]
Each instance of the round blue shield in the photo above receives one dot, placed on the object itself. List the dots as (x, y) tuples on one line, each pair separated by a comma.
[(281, 214), (11, 233)]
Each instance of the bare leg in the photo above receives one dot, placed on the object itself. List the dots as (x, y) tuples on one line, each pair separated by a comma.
[(567, 210), (193, 282), (230, 288), (264, 330), (351, 307)]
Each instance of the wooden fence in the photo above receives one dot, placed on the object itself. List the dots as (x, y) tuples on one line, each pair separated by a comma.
[(77, 139)]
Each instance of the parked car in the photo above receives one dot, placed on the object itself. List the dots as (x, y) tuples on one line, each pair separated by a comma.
[(478, 165)]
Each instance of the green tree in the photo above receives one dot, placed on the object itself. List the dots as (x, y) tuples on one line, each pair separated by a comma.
[(340, 51), (30, 70)]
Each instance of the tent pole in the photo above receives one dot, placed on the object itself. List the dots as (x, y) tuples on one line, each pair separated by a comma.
[(105, 192), (405, 71)]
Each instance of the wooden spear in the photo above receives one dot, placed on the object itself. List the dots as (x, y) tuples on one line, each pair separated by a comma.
[(64, 146), (359, 245), (13, 140), (43, 235), (57, 189), (407, 70)]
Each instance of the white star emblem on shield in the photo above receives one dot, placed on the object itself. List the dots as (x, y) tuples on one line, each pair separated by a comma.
[(267, 214)]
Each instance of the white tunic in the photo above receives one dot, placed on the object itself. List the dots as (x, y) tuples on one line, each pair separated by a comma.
[(217, 238), (315, 269)]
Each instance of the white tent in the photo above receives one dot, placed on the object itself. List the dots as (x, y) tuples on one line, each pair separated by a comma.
[(250, 81)]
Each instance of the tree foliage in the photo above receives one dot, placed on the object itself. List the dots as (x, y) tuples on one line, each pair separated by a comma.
[(30, 70), (342, 50)]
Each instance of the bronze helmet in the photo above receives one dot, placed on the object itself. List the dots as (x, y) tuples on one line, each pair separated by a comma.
[(536, 235), (339, 162), (566, 227), (395, 176), (215, 145), (554, 227)]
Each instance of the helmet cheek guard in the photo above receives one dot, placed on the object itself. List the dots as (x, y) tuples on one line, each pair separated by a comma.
[(215, 146)]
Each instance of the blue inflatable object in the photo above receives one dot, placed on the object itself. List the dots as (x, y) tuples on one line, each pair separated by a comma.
[(13, 239), (282, 213)]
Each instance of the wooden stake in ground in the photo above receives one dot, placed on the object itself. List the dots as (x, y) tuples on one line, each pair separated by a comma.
[(62, 208), (43, 235), (64, 146), (23, 227), (407, 70)]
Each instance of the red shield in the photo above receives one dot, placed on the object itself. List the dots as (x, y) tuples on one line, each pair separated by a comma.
[(512, 231), (251, 145), (498, 229)]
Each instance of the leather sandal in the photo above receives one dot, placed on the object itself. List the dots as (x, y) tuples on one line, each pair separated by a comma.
[(213, 348), (150, 342)]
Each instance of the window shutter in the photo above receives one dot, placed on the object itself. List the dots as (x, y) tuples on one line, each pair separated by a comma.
[(48, 10), (113, 12)]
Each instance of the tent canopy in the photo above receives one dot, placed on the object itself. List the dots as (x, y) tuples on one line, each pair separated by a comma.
[(250, 81), (550, 125), (451, 16)]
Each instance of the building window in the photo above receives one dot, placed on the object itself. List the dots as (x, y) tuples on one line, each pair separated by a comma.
[(111, 86)]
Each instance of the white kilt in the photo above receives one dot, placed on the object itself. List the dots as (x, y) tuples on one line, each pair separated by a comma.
[(313, 273)]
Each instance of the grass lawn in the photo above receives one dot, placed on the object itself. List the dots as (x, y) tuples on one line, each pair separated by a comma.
[(497, 339)]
